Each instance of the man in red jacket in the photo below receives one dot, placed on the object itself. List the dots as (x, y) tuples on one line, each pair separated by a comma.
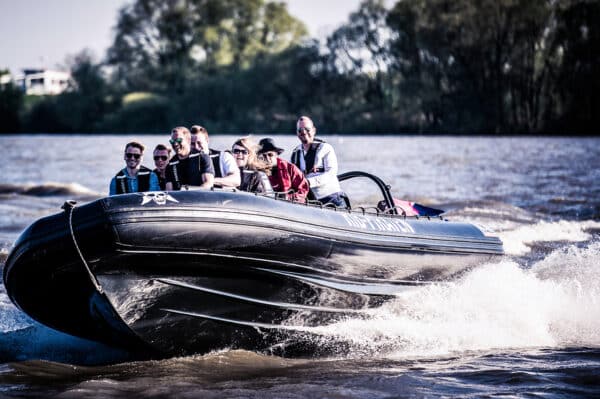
[(285, 177)]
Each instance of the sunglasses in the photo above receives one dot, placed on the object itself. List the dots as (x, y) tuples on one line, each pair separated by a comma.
[(240, 151), (304, 129), (130, 155), (177, 140), (161, 157)]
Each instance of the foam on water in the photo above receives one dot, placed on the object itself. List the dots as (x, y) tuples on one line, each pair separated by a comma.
[(516, 241), (11, 318), (497, 306), (47, 189)]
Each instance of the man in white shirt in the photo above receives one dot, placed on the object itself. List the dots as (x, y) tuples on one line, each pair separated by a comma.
[(227, 173), (317, 160)]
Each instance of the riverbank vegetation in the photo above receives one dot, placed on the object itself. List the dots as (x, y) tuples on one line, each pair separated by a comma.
[(419, 66)]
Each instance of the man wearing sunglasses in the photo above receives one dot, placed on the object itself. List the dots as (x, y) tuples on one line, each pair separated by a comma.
[(188, 167), (317, 160), (227, 173), (161, 160), (134, 177)]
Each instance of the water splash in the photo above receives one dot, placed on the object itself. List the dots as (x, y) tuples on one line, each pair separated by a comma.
[(497, 306), (47, 189), (517, 241)]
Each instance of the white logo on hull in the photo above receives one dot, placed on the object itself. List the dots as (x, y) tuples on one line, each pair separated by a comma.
[(378, 224), (159, 198)]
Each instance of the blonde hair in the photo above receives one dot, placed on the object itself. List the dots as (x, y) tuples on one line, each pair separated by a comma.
[(254, 162)]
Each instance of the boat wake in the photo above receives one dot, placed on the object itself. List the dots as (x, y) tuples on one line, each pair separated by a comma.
[(497, 306), (47, 189), (520, 240), (20, 204)]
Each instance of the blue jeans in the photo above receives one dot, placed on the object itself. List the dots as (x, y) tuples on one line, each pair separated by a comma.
[(336, 199)]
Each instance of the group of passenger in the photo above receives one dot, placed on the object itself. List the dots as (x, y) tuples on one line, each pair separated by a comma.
[(311, 173)]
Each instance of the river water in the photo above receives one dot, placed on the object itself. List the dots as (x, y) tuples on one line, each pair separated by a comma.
[(526, 325)]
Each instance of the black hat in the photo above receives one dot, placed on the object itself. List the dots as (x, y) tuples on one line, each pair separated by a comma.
[(267, 145)]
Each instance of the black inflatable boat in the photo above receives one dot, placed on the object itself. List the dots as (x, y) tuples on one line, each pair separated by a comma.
[(174, 273)]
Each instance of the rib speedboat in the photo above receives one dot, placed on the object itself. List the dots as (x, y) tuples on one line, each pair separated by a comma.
[(182, 272)]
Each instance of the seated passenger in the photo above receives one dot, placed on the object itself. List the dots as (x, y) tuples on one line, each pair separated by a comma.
[(317, 160), (188, 167), (134, 177), (161, 160), (285, 177), (227, 173), (253, 171)]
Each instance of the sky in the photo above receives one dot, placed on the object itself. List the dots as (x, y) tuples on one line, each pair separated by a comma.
[(44, 33)]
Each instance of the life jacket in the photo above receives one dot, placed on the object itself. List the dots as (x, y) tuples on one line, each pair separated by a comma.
[(174, 165), (309, 158), (162, 181), (215, 157), (255, 181), (143, 178)]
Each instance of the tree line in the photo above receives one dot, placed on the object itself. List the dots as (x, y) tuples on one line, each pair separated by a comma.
[(421, 66)]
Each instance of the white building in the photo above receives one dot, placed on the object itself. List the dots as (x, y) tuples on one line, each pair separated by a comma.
[(5, 79), (43, 81)]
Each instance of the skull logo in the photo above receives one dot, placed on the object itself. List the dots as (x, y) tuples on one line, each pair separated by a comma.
[(159, 198)]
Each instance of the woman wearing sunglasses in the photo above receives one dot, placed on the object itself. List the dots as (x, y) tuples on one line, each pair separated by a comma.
[(253, 171), (134, 177)]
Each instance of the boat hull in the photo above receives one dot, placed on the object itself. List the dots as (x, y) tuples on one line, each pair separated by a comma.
[(187, 272)]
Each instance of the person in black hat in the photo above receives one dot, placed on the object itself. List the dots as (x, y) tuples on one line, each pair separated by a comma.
[(286, 178)]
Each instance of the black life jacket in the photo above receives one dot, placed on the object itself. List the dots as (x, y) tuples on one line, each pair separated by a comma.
[(173, 166), (183, 168), (309, 158), (255, 181), (215, 157), (143, 178), (162, 181)]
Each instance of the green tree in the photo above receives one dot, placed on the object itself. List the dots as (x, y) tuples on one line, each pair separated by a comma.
[(82, 107), (481, 66), (163, 45), (577, 41), (359, 54), (11, 104)]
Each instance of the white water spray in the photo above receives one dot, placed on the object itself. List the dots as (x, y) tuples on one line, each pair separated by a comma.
[(497, 306)]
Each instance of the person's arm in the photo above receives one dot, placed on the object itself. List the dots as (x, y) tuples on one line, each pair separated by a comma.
[(169, 179), (207, 173), (231, 170), (154, 186), (112, 189), (208, 180), (330, 166), (299, 183)]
